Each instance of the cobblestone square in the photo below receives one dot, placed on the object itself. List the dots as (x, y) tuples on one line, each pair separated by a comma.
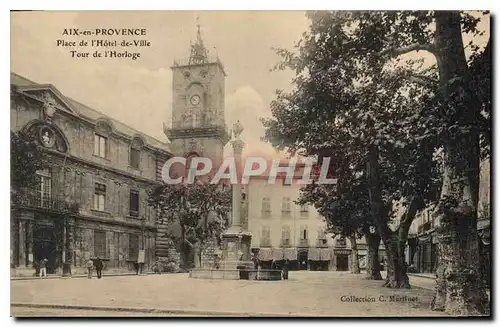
[(337, 294)]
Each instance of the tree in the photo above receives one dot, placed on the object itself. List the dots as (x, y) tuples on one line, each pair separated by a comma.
[(460, 123), (26, 158), (199, 209), (449, 112), (364, 113), (346, 210)]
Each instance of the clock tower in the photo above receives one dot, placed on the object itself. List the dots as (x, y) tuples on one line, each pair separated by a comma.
[(198, 118)]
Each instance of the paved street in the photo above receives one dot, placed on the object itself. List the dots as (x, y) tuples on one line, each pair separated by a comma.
[(305, 293), (19, 312)]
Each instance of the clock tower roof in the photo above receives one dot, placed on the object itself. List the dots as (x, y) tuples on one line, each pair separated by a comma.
[(199, 54)]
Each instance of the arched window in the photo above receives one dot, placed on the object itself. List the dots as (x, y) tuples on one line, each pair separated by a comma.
[(303, 232), (135, 152)]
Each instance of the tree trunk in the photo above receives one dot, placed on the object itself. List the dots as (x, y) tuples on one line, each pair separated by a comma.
[(395, 264), (396, 270), (354, 256), (372, 258), (460, 290)]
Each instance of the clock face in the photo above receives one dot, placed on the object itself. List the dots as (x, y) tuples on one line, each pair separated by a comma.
[(195, 100)]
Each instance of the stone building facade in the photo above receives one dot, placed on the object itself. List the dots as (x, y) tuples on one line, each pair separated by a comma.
[(91, 201), (282, 229)]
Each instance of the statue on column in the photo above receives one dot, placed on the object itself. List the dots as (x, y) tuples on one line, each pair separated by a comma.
[(237, 129)]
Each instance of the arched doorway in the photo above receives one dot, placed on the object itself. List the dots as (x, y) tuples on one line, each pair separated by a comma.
[(45, 247)]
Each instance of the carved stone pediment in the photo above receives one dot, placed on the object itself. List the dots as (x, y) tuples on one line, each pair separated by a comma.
[(51, 99)]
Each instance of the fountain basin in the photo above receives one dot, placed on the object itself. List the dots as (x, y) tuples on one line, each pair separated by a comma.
[(235, 274)]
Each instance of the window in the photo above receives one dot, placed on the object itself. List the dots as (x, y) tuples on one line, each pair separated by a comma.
[(321, 234), (135, 158), (285, 235), (266, 236), (285, 207), (303, 233), (99, 197), (195, 121), (135, 152), (266, 231), (100, 143), (304, 210), (100, 244), (266, 207), (45, 189), (286, 182), (134, 203), (133, 247)]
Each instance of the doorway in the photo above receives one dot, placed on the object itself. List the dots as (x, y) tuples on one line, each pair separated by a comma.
[(342, 262), (302, 260), (45, 247)]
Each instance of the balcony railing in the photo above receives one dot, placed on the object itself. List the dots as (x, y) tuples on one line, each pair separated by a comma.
[(35, 199), (285, 243), (286, 213), (303, 243), (265, 242)]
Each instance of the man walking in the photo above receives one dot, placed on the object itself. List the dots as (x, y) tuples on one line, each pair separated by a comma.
[(43, 268), (90, 266), (285, 268), (98, 267)]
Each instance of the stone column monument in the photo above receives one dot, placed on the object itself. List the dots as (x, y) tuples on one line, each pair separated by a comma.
[(236, 241)]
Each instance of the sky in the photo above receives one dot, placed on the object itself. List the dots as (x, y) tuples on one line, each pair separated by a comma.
[(139, 92)]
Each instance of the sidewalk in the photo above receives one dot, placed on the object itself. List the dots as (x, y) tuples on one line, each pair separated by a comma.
[(75, 276), (423, 275)]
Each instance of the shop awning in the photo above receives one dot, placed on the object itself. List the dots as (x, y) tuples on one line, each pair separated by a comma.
[(265, 254), (313, 254), (278, 254), (325, 254), (290, 254)]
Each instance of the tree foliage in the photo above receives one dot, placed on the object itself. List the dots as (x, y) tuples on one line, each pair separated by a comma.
[(401, 123), (347, 100), (200, 209), (26, 159)]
